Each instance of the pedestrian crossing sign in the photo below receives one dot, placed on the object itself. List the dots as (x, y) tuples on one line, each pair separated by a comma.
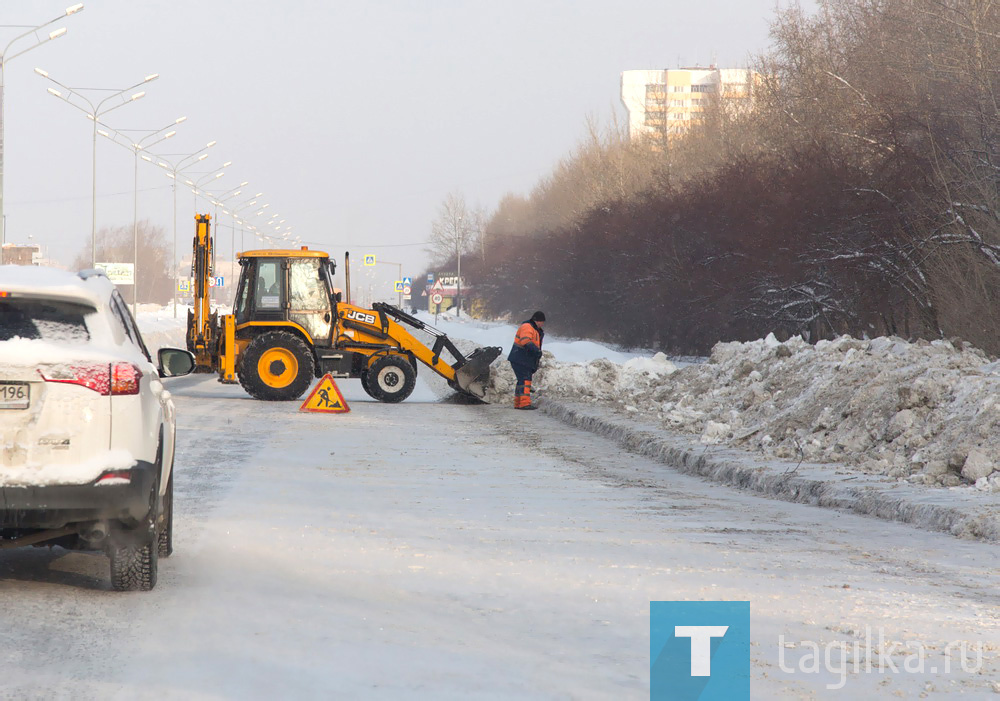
[(325, 398)]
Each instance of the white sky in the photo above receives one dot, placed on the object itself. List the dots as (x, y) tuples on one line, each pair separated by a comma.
[(354, 118)]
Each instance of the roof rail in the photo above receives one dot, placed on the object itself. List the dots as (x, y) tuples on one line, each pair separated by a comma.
[(91, 272)]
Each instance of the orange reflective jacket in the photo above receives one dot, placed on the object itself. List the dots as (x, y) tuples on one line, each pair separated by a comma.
[(526, 334), (527, 349)]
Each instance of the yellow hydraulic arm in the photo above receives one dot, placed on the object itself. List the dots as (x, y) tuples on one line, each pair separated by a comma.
[(375, 330), (201, 324)]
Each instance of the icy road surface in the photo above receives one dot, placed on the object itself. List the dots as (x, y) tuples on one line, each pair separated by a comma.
[(439, 551)]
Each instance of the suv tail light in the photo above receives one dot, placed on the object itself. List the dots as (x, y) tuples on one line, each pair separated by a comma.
[(125, 378), (115, 379)]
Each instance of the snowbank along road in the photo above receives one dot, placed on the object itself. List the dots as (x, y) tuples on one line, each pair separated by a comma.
[(435, 550)]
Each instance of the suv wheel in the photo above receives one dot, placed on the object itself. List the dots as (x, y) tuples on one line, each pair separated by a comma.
[(276, 366), (133, 567)]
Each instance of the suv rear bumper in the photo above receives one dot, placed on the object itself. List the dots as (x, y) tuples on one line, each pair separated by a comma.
[(56, 506)]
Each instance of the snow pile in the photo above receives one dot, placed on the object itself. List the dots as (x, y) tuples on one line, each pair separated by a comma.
[(928, 412), (597, 380)]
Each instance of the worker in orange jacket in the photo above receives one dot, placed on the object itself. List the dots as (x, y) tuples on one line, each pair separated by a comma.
[(525, 356)]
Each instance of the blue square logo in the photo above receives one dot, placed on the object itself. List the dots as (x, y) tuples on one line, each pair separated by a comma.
[(699, 650)]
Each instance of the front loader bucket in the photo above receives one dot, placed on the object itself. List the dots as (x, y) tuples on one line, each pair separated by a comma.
[(474, 374)]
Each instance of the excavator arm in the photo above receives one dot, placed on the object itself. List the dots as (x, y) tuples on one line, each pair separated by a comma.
[(382, 327), (202, 322)]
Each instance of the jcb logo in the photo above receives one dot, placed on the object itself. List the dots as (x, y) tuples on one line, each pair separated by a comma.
[(362, 317)]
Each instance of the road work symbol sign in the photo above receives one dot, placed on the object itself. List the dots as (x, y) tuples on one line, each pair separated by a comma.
[(325, 398), (369, 260)]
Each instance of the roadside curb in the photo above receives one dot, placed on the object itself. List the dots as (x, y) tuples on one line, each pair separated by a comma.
[(972, 515)]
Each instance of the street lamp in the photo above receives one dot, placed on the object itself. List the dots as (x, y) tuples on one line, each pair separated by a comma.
[(233, 211), (95, 112), (207, 178), (135, 146), (4, 59), (175, 168)]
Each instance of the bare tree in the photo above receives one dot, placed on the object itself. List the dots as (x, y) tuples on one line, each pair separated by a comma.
[(154, 279), (450, 231)]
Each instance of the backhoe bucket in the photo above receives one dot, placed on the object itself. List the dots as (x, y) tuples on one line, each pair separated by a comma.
[(474, 374)]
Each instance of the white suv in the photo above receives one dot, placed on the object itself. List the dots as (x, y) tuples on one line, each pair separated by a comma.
[(86, 426)]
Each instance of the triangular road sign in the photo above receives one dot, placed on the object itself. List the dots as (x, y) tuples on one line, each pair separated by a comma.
[(325, 398)]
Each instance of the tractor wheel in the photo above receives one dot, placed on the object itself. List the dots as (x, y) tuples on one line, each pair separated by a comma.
[(276, 366), (366, 384), (391, 379)]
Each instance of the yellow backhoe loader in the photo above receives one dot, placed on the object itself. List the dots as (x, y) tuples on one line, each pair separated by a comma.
[(290, 326)]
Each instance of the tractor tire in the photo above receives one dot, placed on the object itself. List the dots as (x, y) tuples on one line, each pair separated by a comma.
[(391, 379), (165, 536), (133, 567), (366, 385), (277, 367)]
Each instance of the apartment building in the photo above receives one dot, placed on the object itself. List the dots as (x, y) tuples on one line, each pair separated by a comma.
[(668, 102)]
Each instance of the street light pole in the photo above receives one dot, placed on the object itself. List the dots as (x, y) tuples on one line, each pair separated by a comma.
[(173, 170), (135, 146), (4, 59), (94, 114), (233, 211), (459, 245)]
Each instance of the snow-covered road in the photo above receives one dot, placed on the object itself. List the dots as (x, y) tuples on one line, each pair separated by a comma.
[(435, 550)]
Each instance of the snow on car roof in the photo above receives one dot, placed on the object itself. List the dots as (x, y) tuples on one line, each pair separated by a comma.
[(94, 291), (29, 279)]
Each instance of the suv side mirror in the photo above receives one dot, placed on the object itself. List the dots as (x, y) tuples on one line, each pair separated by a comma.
[(175, 362)]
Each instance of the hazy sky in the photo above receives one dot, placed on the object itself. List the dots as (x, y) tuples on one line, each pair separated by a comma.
[(355, 118)]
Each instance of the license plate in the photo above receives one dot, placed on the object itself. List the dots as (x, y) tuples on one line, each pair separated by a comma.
[(15, 395)]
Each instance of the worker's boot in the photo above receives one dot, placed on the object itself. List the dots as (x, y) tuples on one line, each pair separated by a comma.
[(526, 399)]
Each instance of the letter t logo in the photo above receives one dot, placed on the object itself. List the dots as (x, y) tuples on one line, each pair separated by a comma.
[(701, 646)]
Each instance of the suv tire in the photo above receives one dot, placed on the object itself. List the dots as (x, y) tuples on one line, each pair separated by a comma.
[(276, 366), (133, 567)]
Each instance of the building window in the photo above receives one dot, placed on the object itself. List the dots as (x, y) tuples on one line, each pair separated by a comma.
[(699, 101), (677, 103), (701, 88), (679, 88)]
